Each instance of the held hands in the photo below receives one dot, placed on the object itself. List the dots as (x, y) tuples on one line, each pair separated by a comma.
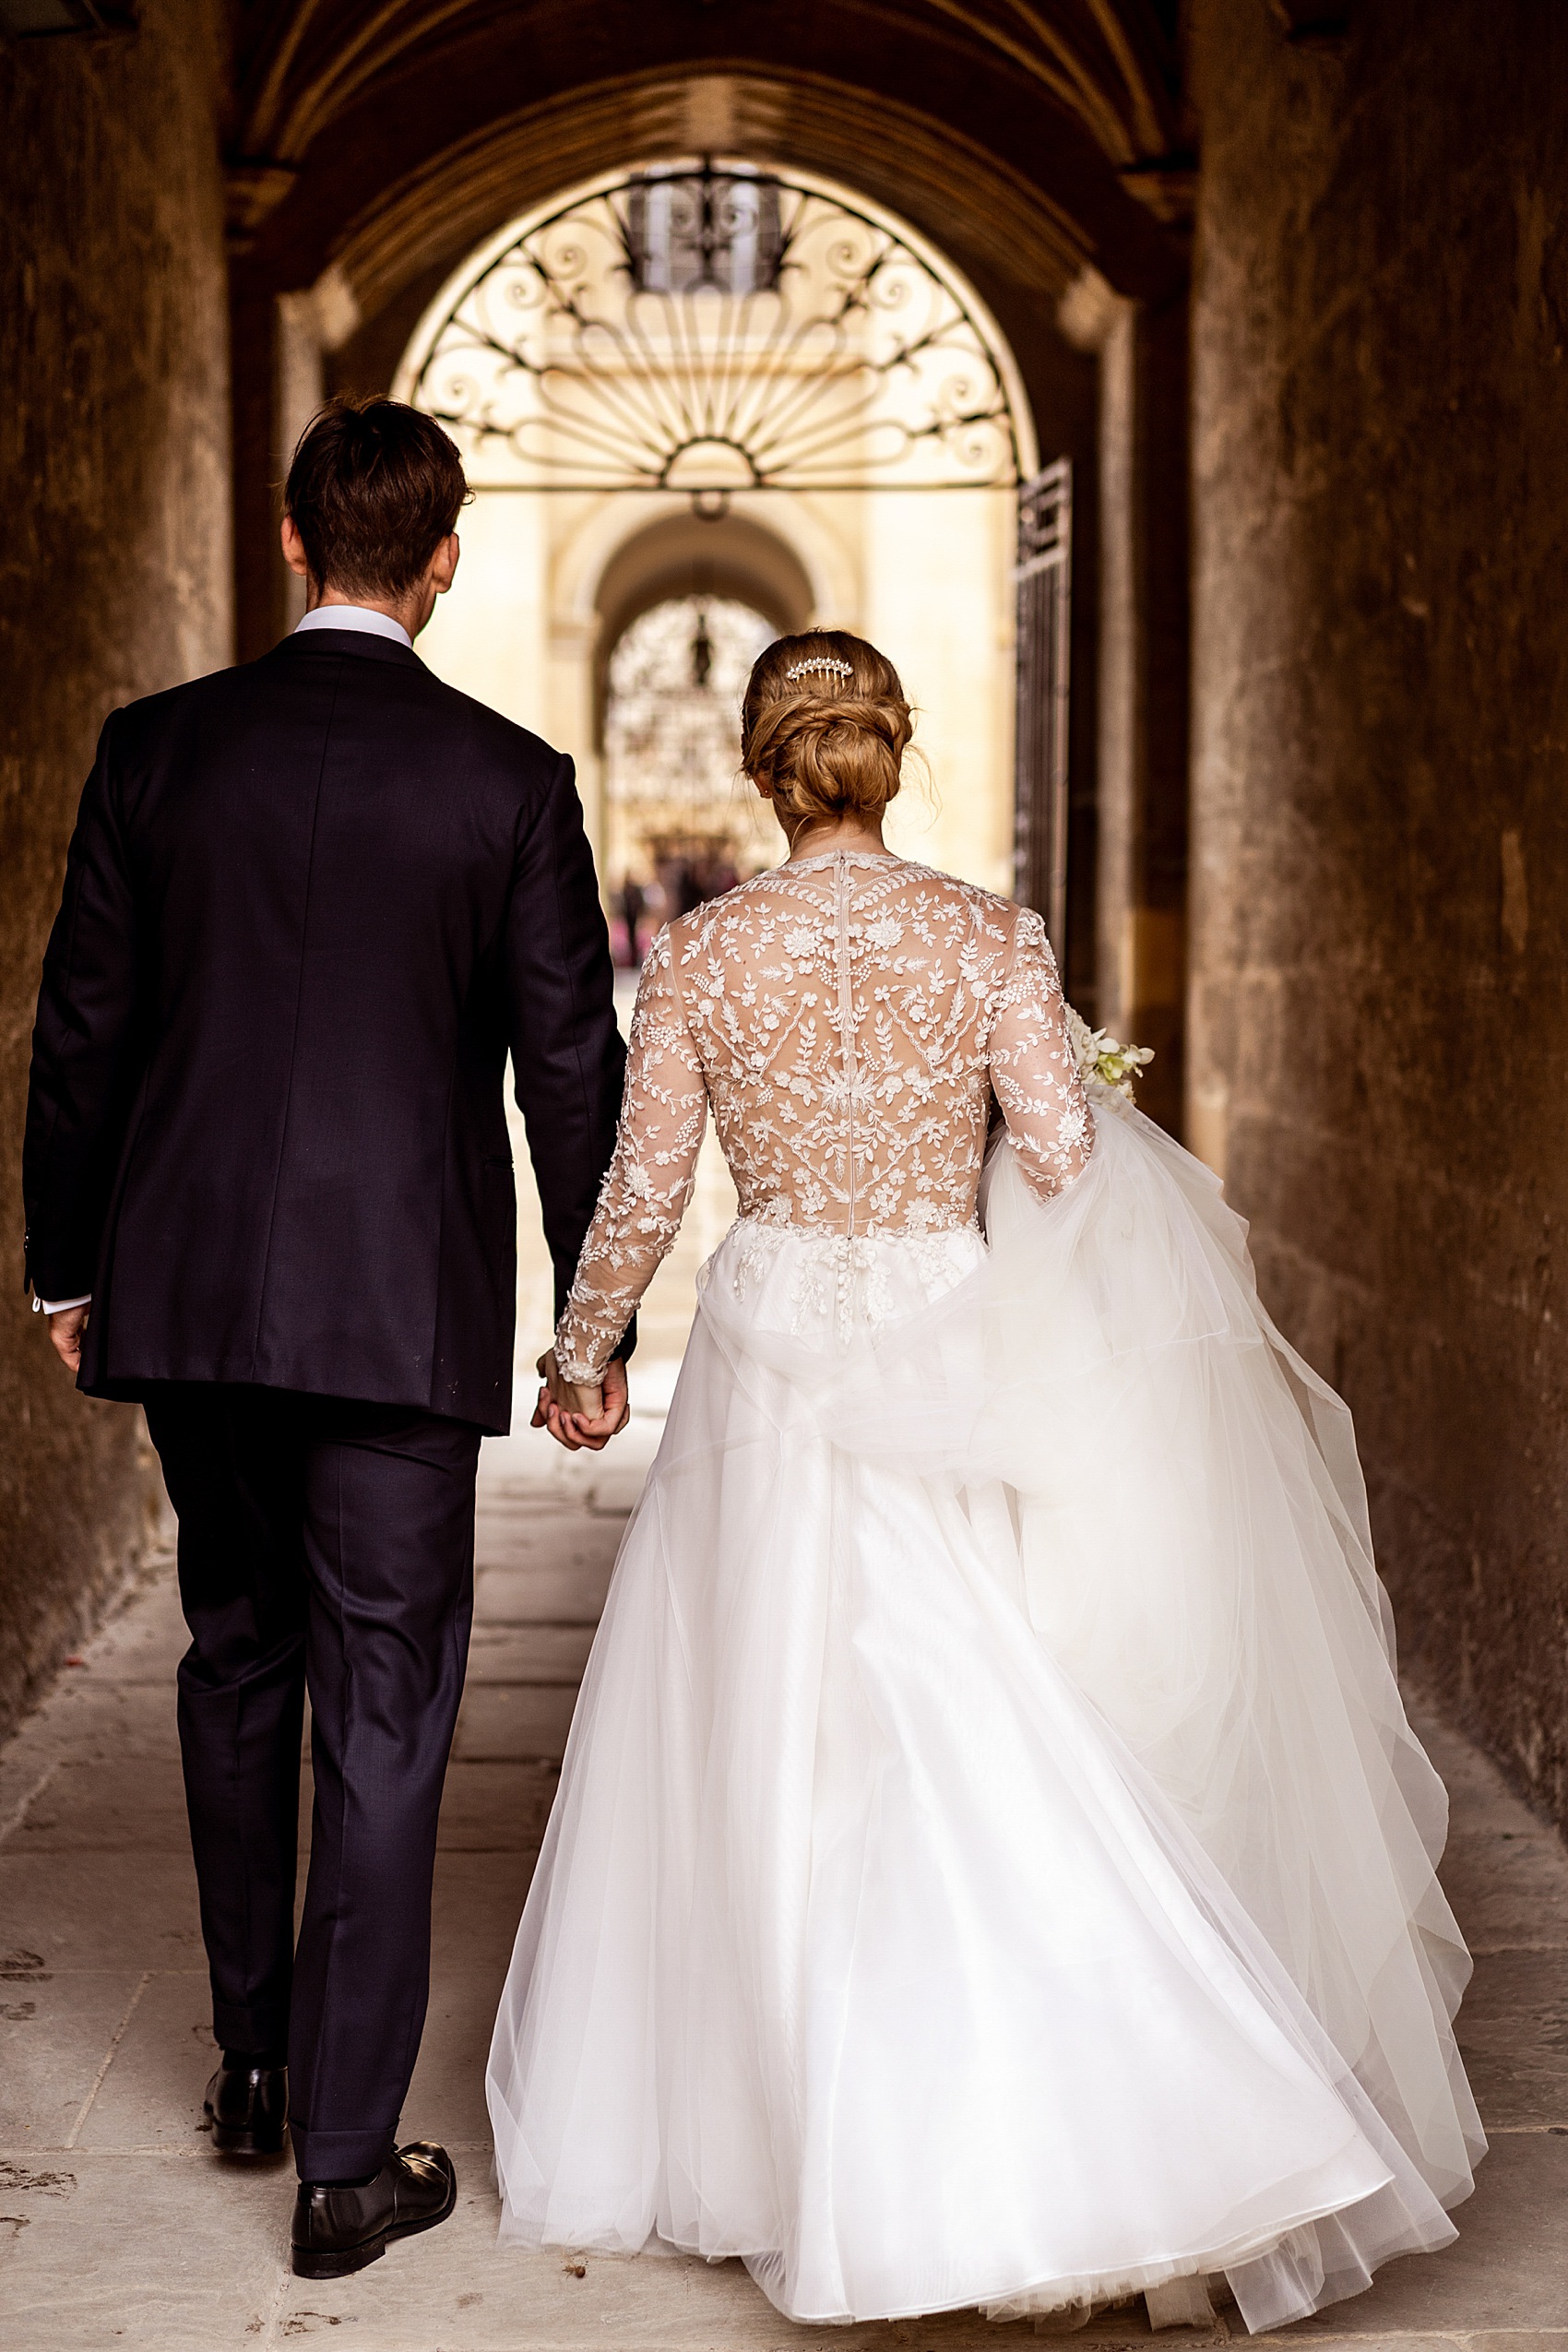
[(65, 1331), (582, 1416), (576, 1416)]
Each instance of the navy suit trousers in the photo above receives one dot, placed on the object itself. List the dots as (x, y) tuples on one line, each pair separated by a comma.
[(330, 1545)]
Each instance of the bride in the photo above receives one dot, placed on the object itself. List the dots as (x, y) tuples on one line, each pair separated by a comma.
[(992, 1865)]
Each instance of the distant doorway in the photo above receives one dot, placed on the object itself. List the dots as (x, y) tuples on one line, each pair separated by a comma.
[(680, 827)]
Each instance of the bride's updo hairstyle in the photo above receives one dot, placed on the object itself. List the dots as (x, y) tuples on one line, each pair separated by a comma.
[(824, 727)]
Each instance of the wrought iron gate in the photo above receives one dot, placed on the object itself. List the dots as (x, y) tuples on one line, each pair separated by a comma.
[(715, 328), (1044, 579), (707, 328)]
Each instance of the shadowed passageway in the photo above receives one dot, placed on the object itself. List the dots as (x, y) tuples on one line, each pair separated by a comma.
[(1286, 282), (1286, 286)]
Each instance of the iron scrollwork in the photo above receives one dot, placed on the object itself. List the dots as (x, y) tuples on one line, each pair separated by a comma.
[(714, 329)]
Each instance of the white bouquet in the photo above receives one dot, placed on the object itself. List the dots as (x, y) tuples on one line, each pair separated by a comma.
[(1102, 1060)]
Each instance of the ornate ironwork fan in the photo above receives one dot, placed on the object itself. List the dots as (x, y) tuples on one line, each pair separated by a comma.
[(716, 327)]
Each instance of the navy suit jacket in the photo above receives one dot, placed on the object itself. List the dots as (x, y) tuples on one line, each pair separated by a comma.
[(309, 904)]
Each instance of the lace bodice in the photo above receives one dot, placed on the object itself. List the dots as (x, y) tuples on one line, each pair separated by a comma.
[(850, 1019)]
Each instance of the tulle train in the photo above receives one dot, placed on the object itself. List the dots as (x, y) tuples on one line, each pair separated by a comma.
[(992, 1865)]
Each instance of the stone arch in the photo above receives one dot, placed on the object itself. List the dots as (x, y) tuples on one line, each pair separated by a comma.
[(933, 121), (601, 554), (1080, 103), (1040, 149), (994, 225), (733, 555)]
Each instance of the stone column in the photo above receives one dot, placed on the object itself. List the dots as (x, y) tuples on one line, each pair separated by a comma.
[(1380, 943), (282, 348), (1140, 919), (116, 568)]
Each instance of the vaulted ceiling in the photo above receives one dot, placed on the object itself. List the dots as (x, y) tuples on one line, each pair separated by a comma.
[(385, 137)]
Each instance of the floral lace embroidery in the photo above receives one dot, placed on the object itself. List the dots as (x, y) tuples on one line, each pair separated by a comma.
[(842, 1277), (850, 1019)]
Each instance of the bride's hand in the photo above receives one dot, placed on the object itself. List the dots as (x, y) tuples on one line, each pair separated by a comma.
[(580, 1414), (562, 1402)]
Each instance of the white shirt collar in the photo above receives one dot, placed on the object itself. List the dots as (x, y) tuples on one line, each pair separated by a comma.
[(355, 616)]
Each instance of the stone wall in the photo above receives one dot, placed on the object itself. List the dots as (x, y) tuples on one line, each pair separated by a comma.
[(114, 581), (1379, 1037)]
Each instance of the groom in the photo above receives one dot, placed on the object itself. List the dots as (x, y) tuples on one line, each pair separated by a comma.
[(310, 906)]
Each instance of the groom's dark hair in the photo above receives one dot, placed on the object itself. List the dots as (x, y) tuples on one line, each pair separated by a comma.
[(374, 489)]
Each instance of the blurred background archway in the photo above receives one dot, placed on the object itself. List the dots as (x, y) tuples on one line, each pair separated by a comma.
[(703, 404)]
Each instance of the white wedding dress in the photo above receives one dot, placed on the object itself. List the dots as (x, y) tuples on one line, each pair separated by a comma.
[(992, 1865)]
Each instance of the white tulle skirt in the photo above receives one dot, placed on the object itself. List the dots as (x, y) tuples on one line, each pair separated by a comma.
[(992, 1865)]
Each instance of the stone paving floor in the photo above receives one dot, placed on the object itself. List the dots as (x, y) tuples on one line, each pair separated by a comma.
[(119, 2226)]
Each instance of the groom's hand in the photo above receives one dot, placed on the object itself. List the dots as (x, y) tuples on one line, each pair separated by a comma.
[(578, 1416), (66, 1330)]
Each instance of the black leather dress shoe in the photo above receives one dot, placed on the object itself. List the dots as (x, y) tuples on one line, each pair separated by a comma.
[(248, 2109), (339, 2229)]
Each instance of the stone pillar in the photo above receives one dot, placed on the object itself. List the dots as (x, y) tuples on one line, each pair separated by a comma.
[(1141, 864), (114, 449), (1379, 1000), (282, 347), (264, 604), (299, 392)]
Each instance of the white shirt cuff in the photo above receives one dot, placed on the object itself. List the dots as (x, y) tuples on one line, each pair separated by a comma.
[(58, 1306)]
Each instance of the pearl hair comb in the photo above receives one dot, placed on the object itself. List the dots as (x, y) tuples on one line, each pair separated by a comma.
[(828, 663)]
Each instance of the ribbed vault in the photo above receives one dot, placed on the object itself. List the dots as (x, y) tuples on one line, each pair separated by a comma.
[(917, 166), (302, 66), (388, 133)]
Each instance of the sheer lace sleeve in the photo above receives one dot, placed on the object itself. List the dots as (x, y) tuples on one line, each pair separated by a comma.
[(648, 1180), (1034, 1075)]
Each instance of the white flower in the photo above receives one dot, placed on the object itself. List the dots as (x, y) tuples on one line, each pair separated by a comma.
[(1102, 1060), (800, 944), (885, 931)]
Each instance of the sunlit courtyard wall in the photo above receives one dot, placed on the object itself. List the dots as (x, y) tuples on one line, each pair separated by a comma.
[(926, 574)]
